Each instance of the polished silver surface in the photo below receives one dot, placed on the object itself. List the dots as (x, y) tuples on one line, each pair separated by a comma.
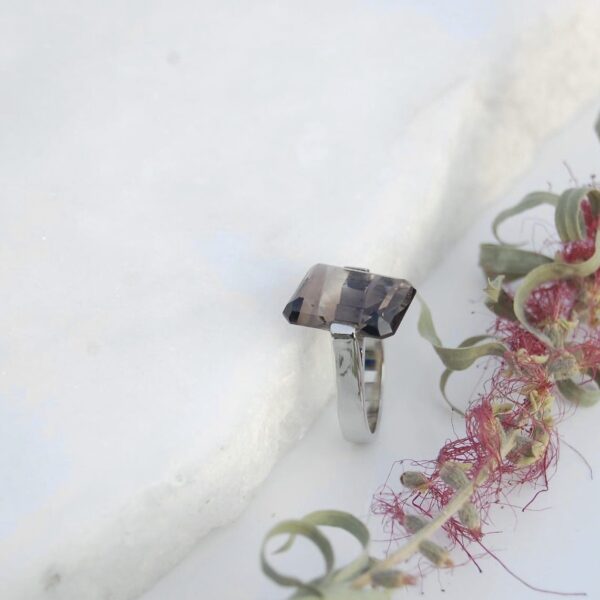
[(359, 372)]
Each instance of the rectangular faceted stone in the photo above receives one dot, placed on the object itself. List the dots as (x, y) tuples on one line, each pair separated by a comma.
[(372, 303)]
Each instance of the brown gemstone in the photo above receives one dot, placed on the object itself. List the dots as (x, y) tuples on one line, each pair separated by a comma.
[(374, 304)]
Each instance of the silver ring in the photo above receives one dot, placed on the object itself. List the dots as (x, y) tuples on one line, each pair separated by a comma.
[(359, 308)]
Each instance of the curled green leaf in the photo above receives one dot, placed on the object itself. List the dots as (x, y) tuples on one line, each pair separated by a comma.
[(443, 382), (594, 198), (308, 527), (350, 524), (568, 216), (310, 532), (511, 262), (447, 372), (551, 272), (528, 202), (455, 359)]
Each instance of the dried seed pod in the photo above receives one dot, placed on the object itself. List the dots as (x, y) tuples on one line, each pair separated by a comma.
[(414, 522), (414, 480), (469, 517), (392, 578), (453, 474), (435, 553)]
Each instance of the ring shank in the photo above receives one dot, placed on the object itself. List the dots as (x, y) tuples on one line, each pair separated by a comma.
[(359, 373)]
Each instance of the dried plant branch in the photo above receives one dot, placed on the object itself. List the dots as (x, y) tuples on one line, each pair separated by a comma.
[(462, 496)]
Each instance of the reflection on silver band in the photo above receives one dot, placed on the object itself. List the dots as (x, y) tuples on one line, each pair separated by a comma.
[(359, 371)]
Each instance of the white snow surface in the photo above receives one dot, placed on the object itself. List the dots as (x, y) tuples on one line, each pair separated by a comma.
[(168, 173)]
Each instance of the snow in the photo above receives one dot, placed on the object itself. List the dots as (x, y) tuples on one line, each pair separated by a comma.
[(169, 171)]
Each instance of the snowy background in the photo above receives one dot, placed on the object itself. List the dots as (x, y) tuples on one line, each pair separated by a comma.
[(168, 172)]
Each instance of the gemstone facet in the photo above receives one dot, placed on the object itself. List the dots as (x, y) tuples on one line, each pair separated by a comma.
[(372, 303)]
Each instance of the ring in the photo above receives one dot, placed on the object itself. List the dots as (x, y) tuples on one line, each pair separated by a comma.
[(359, 308)]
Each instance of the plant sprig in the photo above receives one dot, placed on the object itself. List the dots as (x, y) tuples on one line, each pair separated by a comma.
[(545, 342)]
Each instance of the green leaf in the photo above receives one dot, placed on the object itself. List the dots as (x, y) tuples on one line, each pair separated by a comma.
[(497, 300), (568, 216), (304, 529), (511, 262), (528, 202), (594, 198), (551, 272), (577, 393), (503, 307), (341, 520), (286, 546), (447, 372), (353, 526), (308, 527), (455, 359)]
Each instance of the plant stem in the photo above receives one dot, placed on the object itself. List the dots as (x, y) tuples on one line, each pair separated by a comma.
[(412, 546), (461, 496)]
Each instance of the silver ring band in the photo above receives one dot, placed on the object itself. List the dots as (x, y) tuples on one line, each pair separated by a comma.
[(359, 374)]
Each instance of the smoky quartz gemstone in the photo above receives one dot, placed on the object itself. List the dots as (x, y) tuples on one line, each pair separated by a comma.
[(375, 305)]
